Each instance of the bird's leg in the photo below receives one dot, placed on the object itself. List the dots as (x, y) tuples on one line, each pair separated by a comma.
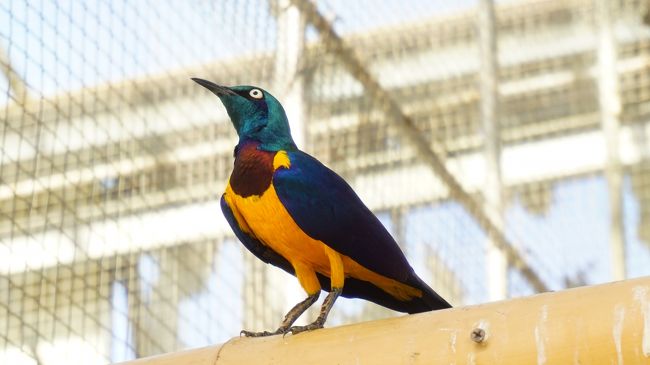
[(337, 278), (289, 318), (324, 311)]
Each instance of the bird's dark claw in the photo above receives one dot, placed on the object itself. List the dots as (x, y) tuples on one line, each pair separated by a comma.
[(279, 331), (310, 327)]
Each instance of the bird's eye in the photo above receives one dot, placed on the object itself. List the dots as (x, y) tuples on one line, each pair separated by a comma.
[(256, 93)]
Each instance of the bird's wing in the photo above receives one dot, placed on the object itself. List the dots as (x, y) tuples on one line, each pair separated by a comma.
[(327, 209), (256, 247)]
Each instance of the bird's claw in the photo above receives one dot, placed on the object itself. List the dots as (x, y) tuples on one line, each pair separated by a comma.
[(310, 327), (279, 331)]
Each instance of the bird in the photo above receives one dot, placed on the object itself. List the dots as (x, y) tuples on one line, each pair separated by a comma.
[(293, 212)]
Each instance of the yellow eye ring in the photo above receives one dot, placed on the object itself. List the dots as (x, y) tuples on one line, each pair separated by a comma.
[(256, 93)]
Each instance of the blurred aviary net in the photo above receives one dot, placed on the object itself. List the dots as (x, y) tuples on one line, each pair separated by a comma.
[(505, 146)]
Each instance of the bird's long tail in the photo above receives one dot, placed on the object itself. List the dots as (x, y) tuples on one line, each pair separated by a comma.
[(429, 301)]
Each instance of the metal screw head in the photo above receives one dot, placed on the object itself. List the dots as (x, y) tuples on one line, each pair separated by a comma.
[(478, 335)]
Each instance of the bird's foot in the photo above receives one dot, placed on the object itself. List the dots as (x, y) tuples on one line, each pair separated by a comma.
[(279, 331), (310, 327)]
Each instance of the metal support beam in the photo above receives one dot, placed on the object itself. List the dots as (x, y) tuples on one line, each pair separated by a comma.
[(603, 324), (16, 83), (335, 44), (610, 111), (289, 81), (497, 263)]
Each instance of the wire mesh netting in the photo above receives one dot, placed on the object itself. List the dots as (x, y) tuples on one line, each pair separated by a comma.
[(112, 162)]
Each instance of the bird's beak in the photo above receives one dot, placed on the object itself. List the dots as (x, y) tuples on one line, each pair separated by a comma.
[(218, 90)]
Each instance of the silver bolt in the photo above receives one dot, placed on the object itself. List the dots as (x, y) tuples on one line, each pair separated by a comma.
[(478, 335)]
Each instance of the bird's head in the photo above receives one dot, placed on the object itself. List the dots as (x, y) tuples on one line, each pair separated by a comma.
[(255, 114)]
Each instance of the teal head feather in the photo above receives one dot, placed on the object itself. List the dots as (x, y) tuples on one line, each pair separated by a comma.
[(255, 114)]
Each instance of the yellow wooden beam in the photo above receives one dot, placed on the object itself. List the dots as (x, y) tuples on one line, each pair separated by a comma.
[(602, 324)]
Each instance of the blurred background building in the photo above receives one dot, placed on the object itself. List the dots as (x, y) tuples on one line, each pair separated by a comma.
[(505, 146)]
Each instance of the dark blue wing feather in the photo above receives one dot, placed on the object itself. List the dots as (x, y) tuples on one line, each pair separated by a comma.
[(327, 209), (256, 247)]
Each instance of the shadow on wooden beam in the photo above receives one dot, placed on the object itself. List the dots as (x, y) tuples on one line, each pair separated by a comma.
[(602, 324)]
